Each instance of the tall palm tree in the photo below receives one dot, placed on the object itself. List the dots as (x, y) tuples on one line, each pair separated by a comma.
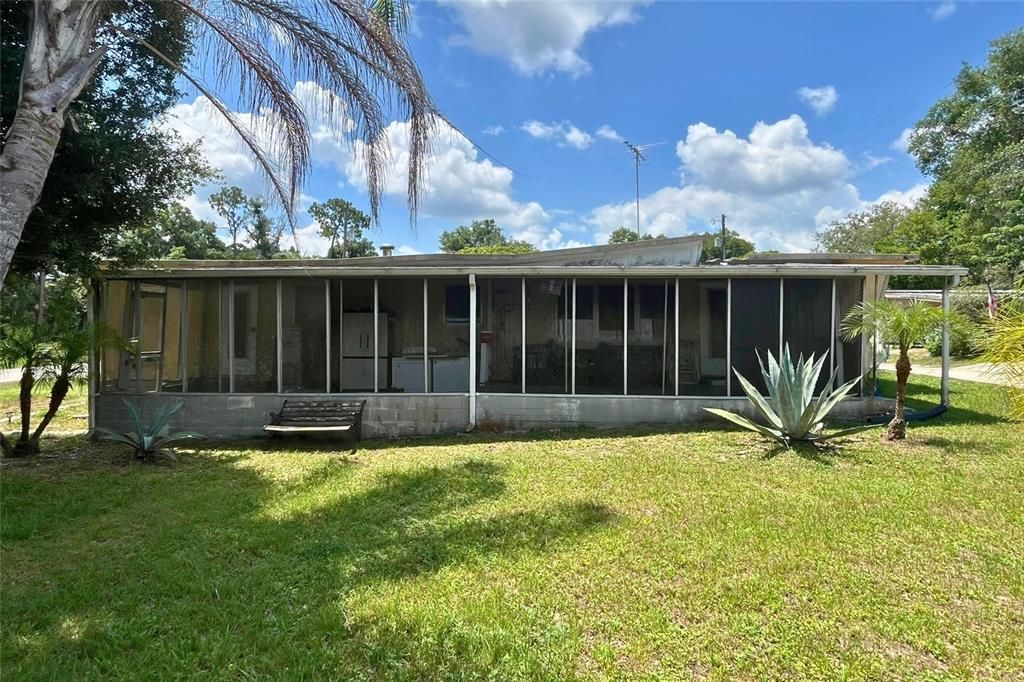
[(257, 48), (904, 325)]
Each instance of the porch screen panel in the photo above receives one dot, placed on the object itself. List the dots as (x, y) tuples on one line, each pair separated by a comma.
[(117, 315), (807, 320), (548, 335), (652, 335), (304, 335), (207, 334), (354, 347), (599, 342), (171, 370), (400, 335), (255, 339), (703, 310), (755, 328), (448, 330), (848, 359), (501, 341)]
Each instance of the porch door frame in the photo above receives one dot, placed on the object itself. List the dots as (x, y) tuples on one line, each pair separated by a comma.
[(712, 366)]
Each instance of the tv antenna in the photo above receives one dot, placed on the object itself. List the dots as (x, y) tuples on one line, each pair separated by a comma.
[(638, 156)]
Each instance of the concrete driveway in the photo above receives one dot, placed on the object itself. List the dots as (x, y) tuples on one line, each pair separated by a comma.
[(985, 372)]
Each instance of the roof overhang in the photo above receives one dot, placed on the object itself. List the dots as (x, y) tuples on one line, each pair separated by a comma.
[(332, 268)]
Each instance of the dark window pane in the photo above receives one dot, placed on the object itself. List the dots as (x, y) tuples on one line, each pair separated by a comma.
[(456, 304), (807, 321)]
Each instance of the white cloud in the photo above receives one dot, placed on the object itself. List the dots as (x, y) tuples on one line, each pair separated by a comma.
[(776, 186), (609, 133), (872, 162), (494, 130), (943, 10), (822, 100), (907, 197), (902, 143), (538, 37), (458, 184), (567, 133)]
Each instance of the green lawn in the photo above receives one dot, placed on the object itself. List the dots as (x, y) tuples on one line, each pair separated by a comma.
[(693, 553)]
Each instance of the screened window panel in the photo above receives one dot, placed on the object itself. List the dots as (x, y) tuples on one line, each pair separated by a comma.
[(652, 314), (703, 311), (547, 330), (206, 333), (400, 340), (254, 346), (807, 321), (599, 339), (500, 350), (304, 335), (755, 328), (449, 336), (848, 294), (171, 370), (353, 372), (117, 297)]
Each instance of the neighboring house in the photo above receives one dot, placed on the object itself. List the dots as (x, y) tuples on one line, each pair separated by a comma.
[(604, 335)]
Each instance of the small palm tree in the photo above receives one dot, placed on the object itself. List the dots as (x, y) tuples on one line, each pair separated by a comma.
[(1004, 345), (904, 325), (22, 348)]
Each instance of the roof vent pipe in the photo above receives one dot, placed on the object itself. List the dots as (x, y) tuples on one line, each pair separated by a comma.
[(387, 249)]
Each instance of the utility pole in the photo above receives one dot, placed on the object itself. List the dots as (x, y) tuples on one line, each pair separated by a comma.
[(638, 156), (723, 239)]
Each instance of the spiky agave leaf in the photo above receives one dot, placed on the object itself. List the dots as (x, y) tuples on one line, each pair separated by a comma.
[(791, 410)]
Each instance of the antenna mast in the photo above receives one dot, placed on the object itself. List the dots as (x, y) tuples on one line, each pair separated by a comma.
[(638, 156)]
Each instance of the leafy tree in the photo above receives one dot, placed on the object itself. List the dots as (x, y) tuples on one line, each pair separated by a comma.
[(352, 50), (173, 233), (1004, 344), (247, 217), (972, 144), (481, 236), (735, 246), (340, 220), (904, 325), (867, 231), (624, 235), (113, 168)]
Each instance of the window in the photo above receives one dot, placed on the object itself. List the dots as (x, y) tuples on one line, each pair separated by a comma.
[(456, 304), (610, 307)]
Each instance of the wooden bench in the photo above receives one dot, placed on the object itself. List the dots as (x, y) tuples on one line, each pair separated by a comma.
[(318, 417)]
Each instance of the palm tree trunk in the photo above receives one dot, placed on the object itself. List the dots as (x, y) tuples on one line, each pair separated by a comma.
[(58, 64), (57, 395), (22, 447), (897, 428)]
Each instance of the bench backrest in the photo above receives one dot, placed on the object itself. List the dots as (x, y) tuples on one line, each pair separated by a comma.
[(314, 412)]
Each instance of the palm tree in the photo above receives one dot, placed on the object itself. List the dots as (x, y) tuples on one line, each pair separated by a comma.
[(22, 348), (258, 47), (904, 325), (1004, 344)]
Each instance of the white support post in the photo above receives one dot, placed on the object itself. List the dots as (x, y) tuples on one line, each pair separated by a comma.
[(565, 349), (231, 337), (183, 362), (426, 353), (137, 334), (472, 350), (376, 312), (327, 331), (573, 386), (782, 301), (945, 342), (522, 338), (664, 338), (675, 354), (832, 335), (280, 336), (728, 338), (625, 336)]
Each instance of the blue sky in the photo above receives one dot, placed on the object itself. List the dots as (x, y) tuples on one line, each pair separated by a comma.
[(782, 116)]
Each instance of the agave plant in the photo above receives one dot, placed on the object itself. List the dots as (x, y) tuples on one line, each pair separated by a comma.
[(791, 411), (151, 442)]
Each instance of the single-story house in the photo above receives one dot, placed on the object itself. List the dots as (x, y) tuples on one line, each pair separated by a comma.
[(601, 335)]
